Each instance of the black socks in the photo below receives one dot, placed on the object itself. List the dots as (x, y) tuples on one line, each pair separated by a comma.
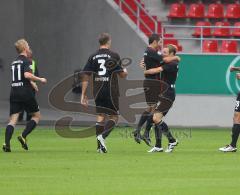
[(8, 134), (235, 134), (142, 120), (29, 128), (167, 133), (109, 125)]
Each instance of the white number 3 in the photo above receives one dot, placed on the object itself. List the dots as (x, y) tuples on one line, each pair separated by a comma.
[(102, 67)]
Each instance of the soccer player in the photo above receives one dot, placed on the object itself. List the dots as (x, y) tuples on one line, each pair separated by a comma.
[(34, 85), (232, 147), (22, 96), (152, 59), (105, 66), (169, 73)]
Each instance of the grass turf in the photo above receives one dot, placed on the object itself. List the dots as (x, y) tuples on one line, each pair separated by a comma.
[(56, 165)]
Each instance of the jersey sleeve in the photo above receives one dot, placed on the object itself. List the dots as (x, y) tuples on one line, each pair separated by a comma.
[(89, 67), (118, 66), (27, 66), (170, 67)]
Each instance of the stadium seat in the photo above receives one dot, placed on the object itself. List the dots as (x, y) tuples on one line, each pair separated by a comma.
[(236, 31), (210, 46), (206, 31), (215, 11), (173, 42), (196, 10), (229, 47), (233, 11), (222, 32), (177, 10)]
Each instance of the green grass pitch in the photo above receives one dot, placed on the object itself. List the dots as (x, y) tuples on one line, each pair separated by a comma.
[(56, 165)]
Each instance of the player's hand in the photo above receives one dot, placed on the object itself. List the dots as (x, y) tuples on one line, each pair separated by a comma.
[(238, 76), (232, 68), (43, 80), (35, 87), (142, 64), (84, 100)]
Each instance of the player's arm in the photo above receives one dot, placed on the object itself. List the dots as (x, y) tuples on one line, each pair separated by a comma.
[(34, 85), (33, 78), (171, 58), (84, 98), (234, 68), (123, 74), (153, 70), (142, 64)]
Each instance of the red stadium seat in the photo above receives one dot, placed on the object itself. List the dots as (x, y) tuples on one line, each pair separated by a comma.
[(229, 47), (236, 31), (222, 32), (206, 31), (196, 10), (233, 11), (215, 11), (210, 46), (173, 42), (177, 10)]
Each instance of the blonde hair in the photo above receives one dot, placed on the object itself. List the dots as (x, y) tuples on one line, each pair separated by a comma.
[(20, 45)]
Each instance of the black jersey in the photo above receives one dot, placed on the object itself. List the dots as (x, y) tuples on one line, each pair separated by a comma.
[(21, 88), (104, 64), (170, 72), (152, 60)]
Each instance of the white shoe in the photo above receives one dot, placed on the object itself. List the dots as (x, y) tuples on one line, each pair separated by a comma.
[(171, 146), (155, 149), (103, 147), (228, 148)]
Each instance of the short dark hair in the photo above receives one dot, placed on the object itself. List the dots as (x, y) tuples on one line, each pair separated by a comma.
[(153, 37), (104, 38), (172, 49)]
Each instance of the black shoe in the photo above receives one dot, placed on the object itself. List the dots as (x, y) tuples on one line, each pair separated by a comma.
[(137, 136), (23, 142), (6, 148), (147, 140)]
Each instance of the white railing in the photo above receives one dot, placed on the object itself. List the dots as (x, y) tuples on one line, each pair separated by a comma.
[(137, 15), (201, 38)]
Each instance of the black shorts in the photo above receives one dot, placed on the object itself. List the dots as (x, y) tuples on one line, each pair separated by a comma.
[(151, 91), (166, 101), (107, 105), (237, 105), (30, 106)]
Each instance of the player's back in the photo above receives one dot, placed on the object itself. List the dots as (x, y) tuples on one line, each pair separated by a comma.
[(103, 63), (152, 60), (21, 89)]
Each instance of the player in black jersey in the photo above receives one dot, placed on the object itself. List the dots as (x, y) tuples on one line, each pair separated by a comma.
[(232, 147), (22, 95), (152, 59), (169, 72), (105, 66)]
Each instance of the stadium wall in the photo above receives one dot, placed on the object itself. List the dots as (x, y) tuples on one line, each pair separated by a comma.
[(63, 33)]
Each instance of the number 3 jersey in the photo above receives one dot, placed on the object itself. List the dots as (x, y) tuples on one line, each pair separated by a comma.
[(104, 65), (21, 89)]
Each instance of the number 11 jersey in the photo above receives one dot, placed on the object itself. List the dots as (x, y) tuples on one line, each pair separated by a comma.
[(21, 89)]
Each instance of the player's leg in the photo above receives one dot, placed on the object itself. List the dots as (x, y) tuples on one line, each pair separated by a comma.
[(31, 107), (157, 119), (144, 117), (100, 128), (30, 126), (146, 136), (9, 131), (172, 142), (232, 147)]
